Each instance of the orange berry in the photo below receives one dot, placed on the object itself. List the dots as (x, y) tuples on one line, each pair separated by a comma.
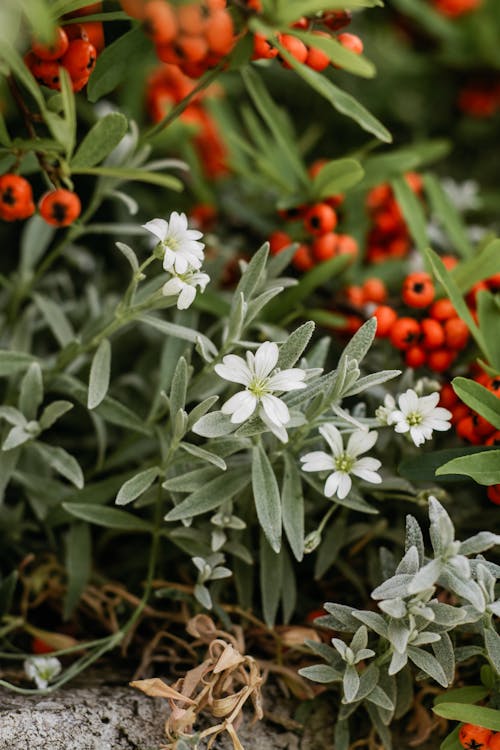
[(79, 59), (418, 290), (378, 196), (295, 47), (263, 48), (355, 295), (351, 42), (494, 440), (493, 493), (386, 317), (449, 261), (414, 181), (160, 21), (191, 48), (219, 32), (278, 241), (375, 290), (133, 8), (415, 356), (16, 198), (325, 246), (440, 360), (317, 59), (320, 219), (46, 72), (483, 427), (466, 430), (405, 333), (353, 324), (459, 412), (456, 333), (59, 207), (432, 333), (191, 18), (447, 396), (347, 245), (55, 49), (303, 260), (442, 309), (39, 646), (473, 737)]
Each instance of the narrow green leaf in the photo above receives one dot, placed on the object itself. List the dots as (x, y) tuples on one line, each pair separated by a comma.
[(100, 140), (129, 255), (412, 211), (67, 134), (253, 273), (481, 266), (31, 392), (125, 174), (422, 468), (335, 177), (489, 320), (178, 389), (100, 370), (62, 462), (478, 398), (204, 455), (114, 63), (78, 565), (447, 215), (35, 239), (55, 318), (12, 362), (181, 332), (266, 497), (53, 412), (291, 350), (271, 580), (451, 742), (212, 494), (479, 715), (108, 517), (339, 55), (483, 467), (470, 694), (293, 506), (136, 486)]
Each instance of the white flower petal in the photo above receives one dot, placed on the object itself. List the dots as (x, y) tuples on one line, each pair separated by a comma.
[(427, 404), (360, 442), (317, 461), (158, 227), (345, 484), (332, 484), (276, 409), (287, 380), (234, 369), (241, 406), (172, 287), (408, 401), (186, 297), (333, 438), (266, 358)]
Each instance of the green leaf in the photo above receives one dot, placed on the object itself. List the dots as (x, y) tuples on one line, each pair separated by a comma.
[(479, 715), (483, 467), (53, 412), (470, 694), (489, 320), (108, 517), (412, 211), (100, 140), (481, 266), (321, 673), (204, 455), (31, 392), (125, 174), (292, 10), (178, 389), (291, 350), (22, 73), (447, 215), (361, 342), (35, 239), (492, 643), (181, 332), (266, 497), (55, 318), (11, 362), (114, 63), (338, 54), (253, 274), (62, 462), (212, 494), (100, 370), (478, 398), (215, 424), (129, 255), (449, 285), (340, 100), (336, 176), (271, 580), (422, 468), (67, 134), (293, 506), (78, 565), (134, 487), (451, 742)]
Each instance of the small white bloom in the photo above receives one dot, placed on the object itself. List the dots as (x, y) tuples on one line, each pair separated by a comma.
[(255, 375), (42, 669), (183, 251), (464, 195), (344, 460), (419, 416), (183, 286), (385, 410)]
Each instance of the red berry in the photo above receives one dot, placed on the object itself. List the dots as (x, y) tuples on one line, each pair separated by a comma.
[(473, 737), (418, 290), (336, 19), (46, 73), (483, 427), (447, 396), (278, 241), (440, 360), (303, 260), (375, 290), (494, 439), (160, 21), (295, 48), (494, 495), (405, 333), (263, 48), (59, 207), (467, 431), (325, 246), (386, 317), (351, 42), (16, 198), (55, 49), (320, 219), (219, 32), (80, 59), (442, 309), (456, 333), (432, 334), (317, 59), (346, 245), (459, 412), (355, 295), (39, 646), (415, 356)]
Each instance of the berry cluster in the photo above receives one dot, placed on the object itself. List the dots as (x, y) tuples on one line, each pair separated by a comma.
[(456, 8), (473, 737), (74, 47), (166, 87), (59, 207), (195, 36), (389, 236), (314, 229), (321, 25)]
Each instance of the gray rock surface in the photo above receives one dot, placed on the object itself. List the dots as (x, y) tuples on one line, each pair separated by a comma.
[(107, 718)]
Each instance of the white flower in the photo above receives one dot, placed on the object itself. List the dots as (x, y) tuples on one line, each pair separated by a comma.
[(385, 410), (184, 285), (419, 416), (255, 375), (183, 252), (42, 669), (344, 461)]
